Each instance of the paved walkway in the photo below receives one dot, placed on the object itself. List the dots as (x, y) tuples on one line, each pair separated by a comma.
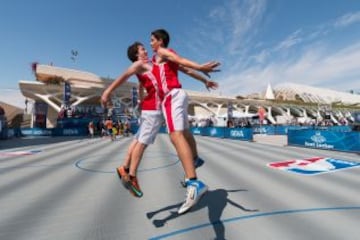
[(68, 189)]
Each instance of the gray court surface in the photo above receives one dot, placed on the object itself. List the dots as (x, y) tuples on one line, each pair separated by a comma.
[(67, 188)]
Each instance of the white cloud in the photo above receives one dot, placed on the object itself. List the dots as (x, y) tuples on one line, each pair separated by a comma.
[(302, 57), (347, 19), (244, 20), (262, 56), (290, 41), (338, 70), (229, 27), (310, 55)]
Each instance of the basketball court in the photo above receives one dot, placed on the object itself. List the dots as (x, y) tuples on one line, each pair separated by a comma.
[(67, 188)]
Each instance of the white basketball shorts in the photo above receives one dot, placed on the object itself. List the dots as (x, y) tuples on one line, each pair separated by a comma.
[(150, 123), (175, 110)]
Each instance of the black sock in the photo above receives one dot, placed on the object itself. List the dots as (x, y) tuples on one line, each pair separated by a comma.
[(193, 179)]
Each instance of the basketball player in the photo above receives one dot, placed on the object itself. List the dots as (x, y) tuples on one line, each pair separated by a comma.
[(166, 64)]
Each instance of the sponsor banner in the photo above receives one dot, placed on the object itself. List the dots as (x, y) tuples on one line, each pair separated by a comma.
[(275, 130), (221, 132), (197, 130), (213, 132), (54, 132), (269, 130), (322, 139), (283, 130), (67, 93), (239, 133), (36, 132), (70, 132), (163, 129), (313, 166)]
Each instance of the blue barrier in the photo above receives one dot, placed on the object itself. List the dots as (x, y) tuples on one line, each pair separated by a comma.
[(222, 132), (73, 122), (239, 133), (283, 129), (36, 132), (70, 132), (269, 130), (214, 132), (325, 139), (54, 132)]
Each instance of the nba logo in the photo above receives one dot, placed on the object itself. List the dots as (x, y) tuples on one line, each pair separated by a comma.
[(313, 166)]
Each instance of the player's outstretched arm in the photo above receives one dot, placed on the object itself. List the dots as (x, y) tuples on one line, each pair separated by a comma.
[(133, 69), (194, 74), (171, 56)]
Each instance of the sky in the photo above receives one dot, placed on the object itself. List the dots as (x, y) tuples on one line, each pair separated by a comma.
[(258, 42)]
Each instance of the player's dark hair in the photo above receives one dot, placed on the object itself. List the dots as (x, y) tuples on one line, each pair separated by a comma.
[(163, 35), (132, 51)]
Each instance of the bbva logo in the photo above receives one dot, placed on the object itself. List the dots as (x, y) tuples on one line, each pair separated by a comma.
[(236, 133)]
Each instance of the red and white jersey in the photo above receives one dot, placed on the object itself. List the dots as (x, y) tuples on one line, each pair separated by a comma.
[(167, 75), (152, 101)]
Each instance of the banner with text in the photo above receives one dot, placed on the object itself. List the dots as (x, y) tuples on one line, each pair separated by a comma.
[(324, 139)]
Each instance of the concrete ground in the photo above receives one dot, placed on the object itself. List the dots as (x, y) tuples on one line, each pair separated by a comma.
[(67, 188)]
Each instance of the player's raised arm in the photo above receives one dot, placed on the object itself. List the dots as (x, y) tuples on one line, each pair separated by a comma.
[(194, 74), (171, 56), (132, 70)]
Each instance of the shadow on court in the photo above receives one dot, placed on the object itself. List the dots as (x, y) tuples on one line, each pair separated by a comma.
[(215, 201)]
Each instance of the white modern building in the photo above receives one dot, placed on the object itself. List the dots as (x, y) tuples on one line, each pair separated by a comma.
[(283, 104)]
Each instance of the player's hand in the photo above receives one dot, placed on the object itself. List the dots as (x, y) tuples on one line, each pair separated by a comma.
[(211, 85), (104, 99), (210, 67)]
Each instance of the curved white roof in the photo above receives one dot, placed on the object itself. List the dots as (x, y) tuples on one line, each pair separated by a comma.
[(292, 91), (75, 77)]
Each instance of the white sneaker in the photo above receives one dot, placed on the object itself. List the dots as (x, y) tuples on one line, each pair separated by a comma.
[(194, 191)]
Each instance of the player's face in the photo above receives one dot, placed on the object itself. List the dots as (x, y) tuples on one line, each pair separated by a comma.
[(155, 43), (142, 53)]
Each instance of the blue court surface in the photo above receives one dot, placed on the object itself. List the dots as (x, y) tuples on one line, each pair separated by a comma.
[(67, 188)]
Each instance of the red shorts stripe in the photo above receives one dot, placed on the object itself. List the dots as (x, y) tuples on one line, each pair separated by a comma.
[(169, 118)]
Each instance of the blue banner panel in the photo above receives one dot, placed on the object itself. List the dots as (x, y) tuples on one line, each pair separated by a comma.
[(221, 132), (283, 130), (213, 132), (334, 128), (163, 129), (70, 132), (197, 130), (239, 133), (36, 132), (67, 93), (269, 130), (323, 139)]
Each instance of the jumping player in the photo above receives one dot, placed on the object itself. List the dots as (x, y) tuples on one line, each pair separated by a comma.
[(151, 115), (174, 106)]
